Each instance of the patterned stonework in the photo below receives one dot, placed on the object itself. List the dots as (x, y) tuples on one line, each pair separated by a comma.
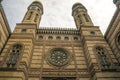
[(33, 53)]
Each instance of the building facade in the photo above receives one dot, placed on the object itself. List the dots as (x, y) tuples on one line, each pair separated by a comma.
[(113, 39), (33, 53), (4, 29)]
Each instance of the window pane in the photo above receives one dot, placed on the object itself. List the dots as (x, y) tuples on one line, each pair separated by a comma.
[(23, 30), (58, 37), (50, 37), (66, 38)]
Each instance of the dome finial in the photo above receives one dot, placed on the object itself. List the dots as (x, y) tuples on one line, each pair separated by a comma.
[(76, 5), (117, 2)]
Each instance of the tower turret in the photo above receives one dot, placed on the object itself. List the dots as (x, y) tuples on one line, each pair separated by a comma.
[(117, 2), (34, 13), (81, 17)]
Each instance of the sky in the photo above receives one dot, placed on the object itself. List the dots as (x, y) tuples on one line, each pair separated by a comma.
[(57, 13)]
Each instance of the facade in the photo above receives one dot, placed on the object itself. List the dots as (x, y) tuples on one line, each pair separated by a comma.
[(33, 53), (4, 29), (113, 39)]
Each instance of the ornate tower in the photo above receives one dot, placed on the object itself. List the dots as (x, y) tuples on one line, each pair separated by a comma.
[(117, 2), (57, 54), (34, 13), (20, 45), (81, 17), (97, 52)]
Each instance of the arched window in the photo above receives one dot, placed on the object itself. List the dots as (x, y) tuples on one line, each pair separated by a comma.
[(36, 18), (14, 55), (58, 37), (76, 38), (79, 17), (29, 15), (50, 37), (86, 18), (66, 38), (40, 37), (102, 56)]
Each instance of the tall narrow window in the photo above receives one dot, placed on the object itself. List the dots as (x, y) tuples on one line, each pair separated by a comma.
[(86, 18), (29, 15), (102, 56), (118, 39), (36, 17), (79, 17), (14, 55)]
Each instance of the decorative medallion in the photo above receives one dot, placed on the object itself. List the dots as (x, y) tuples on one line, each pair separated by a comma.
[(58, 57)]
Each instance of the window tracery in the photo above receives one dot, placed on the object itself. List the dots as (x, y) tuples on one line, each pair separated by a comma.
[(102, 56), (58, 57), (14, 55)]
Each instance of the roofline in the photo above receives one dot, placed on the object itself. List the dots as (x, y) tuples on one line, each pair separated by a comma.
[(4, 18), (111, 22)]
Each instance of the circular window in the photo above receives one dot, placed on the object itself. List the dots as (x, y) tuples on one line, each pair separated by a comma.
[(58, 57)]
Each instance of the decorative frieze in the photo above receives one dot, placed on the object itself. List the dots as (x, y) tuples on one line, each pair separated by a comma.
[(57, 31)]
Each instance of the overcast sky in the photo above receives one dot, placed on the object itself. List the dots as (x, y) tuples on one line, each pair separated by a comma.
[(57, 13)]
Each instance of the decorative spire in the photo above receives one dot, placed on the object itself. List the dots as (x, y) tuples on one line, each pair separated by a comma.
[(117, 2), (81, 17), (34, 13)]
